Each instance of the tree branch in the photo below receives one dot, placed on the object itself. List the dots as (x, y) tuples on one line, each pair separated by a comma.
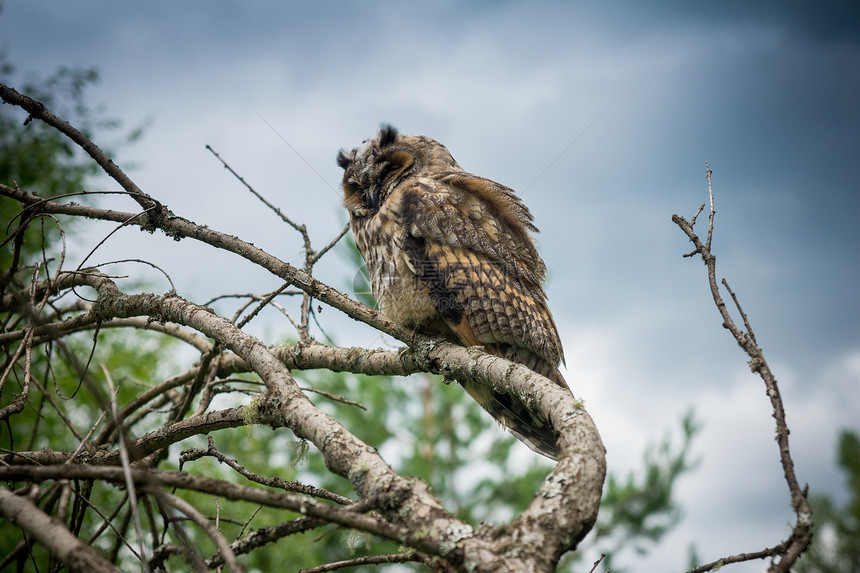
[(38, 111), (802, 534), (77, 556), (561, 513), (294, 502), (224, 549)]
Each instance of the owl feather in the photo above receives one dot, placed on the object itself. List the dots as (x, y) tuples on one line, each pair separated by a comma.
[(452, 254)]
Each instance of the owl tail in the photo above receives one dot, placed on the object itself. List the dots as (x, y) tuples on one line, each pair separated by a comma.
[(530, 428), (512, 413)]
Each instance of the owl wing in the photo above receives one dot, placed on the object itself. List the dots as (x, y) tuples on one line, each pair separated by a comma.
[(468, 242), (501, 226), (473, 252)]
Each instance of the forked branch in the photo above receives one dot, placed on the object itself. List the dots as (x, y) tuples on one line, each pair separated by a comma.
[(786, 553), (562, 512)]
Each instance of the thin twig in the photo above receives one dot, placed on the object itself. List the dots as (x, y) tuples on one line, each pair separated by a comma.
[(790, 550), (741, 557), (143, 262), (696, 216), (596, 563), (334, 397), (205, 374), (126, 467), (256, 297), (265, 535), (248, 522), (274, 482), (740, 310), (263, 303), (369, 560), (18, 403), (328, 247), (253, 296), (109, 235), (276, 210), (203, 523), (63, 417), (712, 212)]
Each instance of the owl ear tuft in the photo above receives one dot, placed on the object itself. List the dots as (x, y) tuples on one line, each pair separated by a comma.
[(343, 159), (387, 134)]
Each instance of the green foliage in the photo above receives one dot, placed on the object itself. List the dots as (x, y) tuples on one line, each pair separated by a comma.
[(433, 431), (39, 159), (423, 427), (836, 545), (133, 359), (635, 513)]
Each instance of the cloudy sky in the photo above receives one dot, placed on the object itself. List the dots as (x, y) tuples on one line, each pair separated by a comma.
[(602, 115)]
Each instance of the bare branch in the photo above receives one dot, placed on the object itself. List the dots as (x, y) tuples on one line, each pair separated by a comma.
[(276, 210), (263, 303), (790, 550), (276, 482), (77, 556), (596, 563), (741, 557), (157, 439), (211, 530), (328, 247), (267, 535), (18, 403), (370, 560), (125, 459), (347, 517), (561, 513), (38, 111)]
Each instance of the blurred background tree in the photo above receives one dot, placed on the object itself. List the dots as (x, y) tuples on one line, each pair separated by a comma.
[(40, 158), (423, 428), (836, 545)]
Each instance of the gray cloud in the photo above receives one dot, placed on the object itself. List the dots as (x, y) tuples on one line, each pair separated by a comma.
[(764, 91)]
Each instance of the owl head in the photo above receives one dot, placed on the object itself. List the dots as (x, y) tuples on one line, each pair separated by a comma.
[(373, 169)]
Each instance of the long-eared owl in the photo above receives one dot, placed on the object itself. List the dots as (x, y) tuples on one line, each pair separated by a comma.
[(451, 254)]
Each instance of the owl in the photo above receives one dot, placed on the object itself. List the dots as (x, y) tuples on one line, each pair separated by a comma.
[(451, 254)]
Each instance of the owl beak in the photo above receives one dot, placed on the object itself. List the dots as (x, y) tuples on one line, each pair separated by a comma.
[(373, 196)]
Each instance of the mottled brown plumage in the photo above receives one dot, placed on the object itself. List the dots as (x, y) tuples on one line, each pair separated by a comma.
[(450, 253)]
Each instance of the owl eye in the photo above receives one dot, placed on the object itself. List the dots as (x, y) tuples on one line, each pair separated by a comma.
[(356, 198), (371, 198), (385, 176)]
